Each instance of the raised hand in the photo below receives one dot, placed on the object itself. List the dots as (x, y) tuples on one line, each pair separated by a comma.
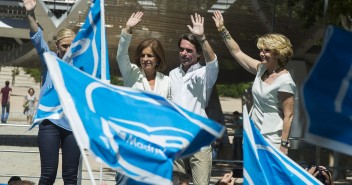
[(218, 19), (312, 170), (198, 25), (29, 5), (227, 179), (284, 150), (133, 20)]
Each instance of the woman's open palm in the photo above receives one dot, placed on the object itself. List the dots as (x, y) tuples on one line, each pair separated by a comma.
[(134, 19), (29, 4)]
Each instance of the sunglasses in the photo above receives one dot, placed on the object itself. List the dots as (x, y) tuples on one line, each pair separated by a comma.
[(265, 50), (65, 45)]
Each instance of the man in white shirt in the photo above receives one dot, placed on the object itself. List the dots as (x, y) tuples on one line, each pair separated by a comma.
[(191, 86)]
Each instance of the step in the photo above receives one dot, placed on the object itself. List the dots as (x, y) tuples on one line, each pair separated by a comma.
[(26, 84), (18, 77), (14, 133)]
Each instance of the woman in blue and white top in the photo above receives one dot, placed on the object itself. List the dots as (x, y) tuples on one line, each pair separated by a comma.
[(54, 130)]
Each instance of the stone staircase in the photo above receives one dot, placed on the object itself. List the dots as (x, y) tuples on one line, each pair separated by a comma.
[(15, 131), (19, 87)]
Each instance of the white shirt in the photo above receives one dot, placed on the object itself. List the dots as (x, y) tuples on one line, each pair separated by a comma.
[(133, 76), (191, 90), (267, 111)]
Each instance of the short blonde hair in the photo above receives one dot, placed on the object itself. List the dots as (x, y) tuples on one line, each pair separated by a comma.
[(65, 33), (279, 44)]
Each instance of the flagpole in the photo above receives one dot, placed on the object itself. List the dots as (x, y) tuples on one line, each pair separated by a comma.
[(103, 62), (79, 181), (103, 43), (101, 172), (89, 169)]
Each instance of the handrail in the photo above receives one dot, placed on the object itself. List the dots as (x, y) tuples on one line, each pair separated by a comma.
[(9, 57), (19, 151), (227, 161), (14, 125)]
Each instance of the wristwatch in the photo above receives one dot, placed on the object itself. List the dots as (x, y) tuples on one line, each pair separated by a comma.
[(202, 40), (285, 143)]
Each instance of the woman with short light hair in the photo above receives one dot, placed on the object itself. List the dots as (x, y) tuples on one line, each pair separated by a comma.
[(54, 131), (273, 88)]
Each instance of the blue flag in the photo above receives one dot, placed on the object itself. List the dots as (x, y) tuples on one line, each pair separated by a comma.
[(264, 164), (135, 132), (89, 53), (327, 94)]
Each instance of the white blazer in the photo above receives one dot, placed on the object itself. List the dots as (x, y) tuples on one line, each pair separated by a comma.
[(133, 76)]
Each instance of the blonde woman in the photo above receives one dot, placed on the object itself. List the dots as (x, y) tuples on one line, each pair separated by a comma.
[(273, 88), (54, 132)]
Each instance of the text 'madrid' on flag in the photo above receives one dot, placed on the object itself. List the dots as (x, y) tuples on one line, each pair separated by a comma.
[(88, 53), (135, 132), (327, 94), (264, 164)]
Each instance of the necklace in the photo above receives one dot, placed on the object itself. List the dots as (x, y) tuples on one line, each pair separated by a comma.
[(274, 71), (267, 74)]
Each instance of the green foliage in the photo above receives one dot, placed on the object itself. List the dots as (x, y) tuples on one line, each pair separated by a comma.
[(35, 73), (115, 80), (312, 12), (15, 72), (232, 90)]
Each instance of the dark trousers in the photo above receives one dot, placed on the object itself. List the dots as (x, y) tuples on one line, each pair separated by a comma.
[(237, 148), (121, 179), (5, 110), (50, 139)]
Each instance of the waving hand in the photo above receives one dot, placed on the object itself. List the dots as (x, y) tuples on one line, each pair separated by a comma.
[(133, 21), (198, 25), (29, 4)]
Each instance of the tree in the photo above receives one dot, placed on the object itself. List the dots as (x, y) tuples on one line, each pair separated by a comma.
[(339, 12)]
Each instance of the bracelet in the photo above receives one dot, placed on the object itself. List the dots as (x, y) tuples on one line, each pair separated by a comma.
[(225, 35), (202, 40), (284, 143), (221, 28)]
